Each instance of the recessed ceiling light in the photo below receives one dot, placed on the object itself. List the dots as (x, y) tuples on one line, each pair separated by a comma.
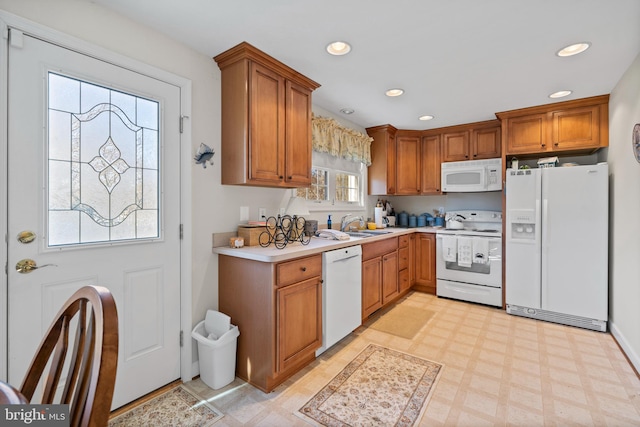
[(561, 94), (347, 111), (338, 48), (573, 49), (427, 117), (394, 92)]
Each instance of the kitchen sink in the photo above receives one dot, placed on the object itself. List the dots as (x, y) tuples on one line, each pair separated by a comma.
[(359, 234), (367, 233)]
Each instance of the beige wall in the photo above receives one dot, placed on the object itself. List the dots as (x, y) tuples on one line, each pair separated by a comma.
[(624, 249)]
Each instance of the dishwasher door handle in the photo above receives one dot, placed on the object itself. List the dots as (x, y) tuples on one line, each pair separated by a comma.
[(345, 259)]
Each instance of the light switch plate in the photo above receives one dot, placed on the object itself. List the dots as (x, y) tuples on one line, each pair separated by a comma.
[(262, 214)]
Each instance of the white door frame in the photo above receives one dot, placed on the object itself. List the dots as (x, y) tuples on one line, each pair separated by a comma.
[(8, 20)]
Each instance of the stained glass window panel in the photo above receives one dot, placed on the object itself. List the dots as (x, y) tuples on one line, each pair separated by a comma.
[(103, 167)]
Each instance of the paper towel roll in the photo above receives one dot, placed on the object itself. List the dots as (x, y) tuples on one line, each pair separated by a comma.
[(378, 217)]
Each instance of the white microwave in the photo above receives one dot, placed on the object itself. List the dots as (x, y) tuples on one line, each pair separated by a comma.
[(472, 176)]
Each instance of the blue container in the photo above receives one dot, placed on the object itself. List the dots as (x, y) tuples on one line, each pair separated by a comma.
[(439, 221), (403, 219), (422, 221), (413, 221)]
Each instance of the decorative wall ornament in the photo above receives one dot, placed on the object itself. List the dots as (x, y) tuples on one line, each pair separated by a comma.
[(329, 136), (204, 154), (635, 141)]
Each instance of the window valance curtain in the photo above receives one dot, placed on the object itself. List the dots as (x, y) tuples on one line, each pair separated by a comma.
[(329, 136)]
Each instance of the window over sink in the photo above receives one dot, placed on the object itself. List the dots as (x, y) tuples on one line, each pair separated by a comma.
[(335, 183)]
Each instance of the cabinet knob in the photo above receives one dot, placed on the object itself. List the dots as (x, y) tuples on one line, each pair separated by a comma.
[(303, 268), (466, 156), (290, 177), (556, 144), (280, 177), (543, 145), (475, 155)]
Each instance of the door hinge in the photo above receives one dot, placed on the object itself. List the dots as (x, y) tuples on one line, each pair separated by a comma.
[(182, 123), (181, 231), (181, 338)]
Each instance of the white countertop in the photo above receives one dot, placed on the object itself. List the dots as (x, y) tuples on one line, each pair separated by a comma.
[(315, 246)]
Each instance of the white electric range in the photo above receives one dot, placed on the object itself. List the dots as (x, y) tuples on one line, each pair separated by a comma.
[(469, 259)]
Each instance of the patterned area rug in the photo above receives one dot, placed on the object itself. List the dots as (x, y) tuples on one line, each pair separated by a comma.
[(176, 407), (403, 321), (379, 387)]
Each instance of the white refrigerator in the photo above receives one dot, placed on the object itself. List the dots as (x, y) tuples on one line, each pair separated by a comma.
[(556, 245)]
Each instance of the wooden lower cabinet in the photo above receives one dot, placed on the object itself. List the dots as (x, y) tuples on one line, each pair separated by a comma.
[(379, 274), (299, 327), (406, 262), (425, 263), (278, 310), (371, 286)]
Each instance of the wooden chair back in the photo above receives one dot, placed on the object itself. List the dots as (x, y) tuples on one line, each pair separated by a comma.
[(91, 358)]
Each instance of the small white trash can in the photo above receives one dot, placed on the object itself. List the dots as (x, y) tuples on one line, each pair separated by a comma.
[(217, 341)]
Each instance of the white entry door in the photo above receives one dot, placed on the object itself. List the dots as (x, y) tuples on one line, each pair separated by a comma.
[(94, 176)]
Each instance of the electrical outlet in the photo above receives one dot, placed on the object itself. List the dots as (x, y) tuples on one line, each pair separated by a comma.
[(262, 214), (244, 213)]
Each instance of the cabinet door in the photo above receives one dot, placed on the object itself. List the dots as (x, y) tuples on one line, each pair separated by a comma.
[(299, 324), (371, 286), (576, 128), (485, 143), (297, 136), (389, 276), (431, 165), (267, 131), (408, 165), (455, 146), (426, 262), (527, 134), (382, 171)]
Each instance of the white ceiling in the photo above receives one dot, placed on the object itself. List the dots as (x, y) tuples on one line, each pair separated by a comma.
[(458, 60)]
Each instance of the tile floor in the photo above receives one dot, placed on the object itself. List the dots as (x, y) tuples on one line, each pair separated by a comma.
[(498, 370)]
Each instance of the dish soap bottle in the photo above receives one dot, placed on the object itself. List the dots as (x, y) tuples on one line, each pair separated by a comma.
[(329, 222)]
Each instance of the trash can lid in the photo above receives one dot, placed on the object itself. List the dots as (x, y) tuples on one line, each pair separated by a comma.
[(216, 323)]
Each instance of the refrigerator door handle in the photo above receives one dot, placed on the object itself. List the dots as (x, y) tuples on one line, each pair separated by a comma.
[(544, 253)]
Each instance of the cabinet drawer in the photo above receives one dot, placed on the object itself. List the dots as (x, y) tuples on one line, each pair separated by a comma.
[(403, 258), (372, 250), (403, 241), (298, 270)]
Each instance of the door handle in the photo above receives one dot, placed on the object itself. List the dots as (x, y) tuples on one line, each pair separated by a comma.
[(27, 265)]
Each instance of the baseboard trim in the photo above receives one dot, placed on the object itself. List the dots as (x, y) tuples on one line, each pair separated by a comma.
[(626, 348)]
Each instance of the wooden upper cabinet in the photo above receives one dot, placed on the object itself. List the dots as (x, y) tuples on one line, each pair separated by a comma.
[(527, 134), (576, 128), (474, 141), (486, 142), (381, 174), (455, 146), (408, 167), (572, 127), (431, 164), (297, 135), (266, 120)]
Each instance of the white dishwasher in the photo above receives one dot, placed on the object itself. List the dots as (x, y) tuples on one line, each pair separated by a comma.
[(341, 294)]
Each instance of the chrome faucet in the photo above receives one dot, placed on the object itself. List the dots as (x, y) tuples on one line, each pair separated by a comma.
[(348, 219)]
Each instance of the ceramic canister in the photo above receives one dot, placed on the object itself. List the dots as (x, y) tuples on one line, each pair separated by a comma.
[(403, 219), (422, 221), (413, 221)]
